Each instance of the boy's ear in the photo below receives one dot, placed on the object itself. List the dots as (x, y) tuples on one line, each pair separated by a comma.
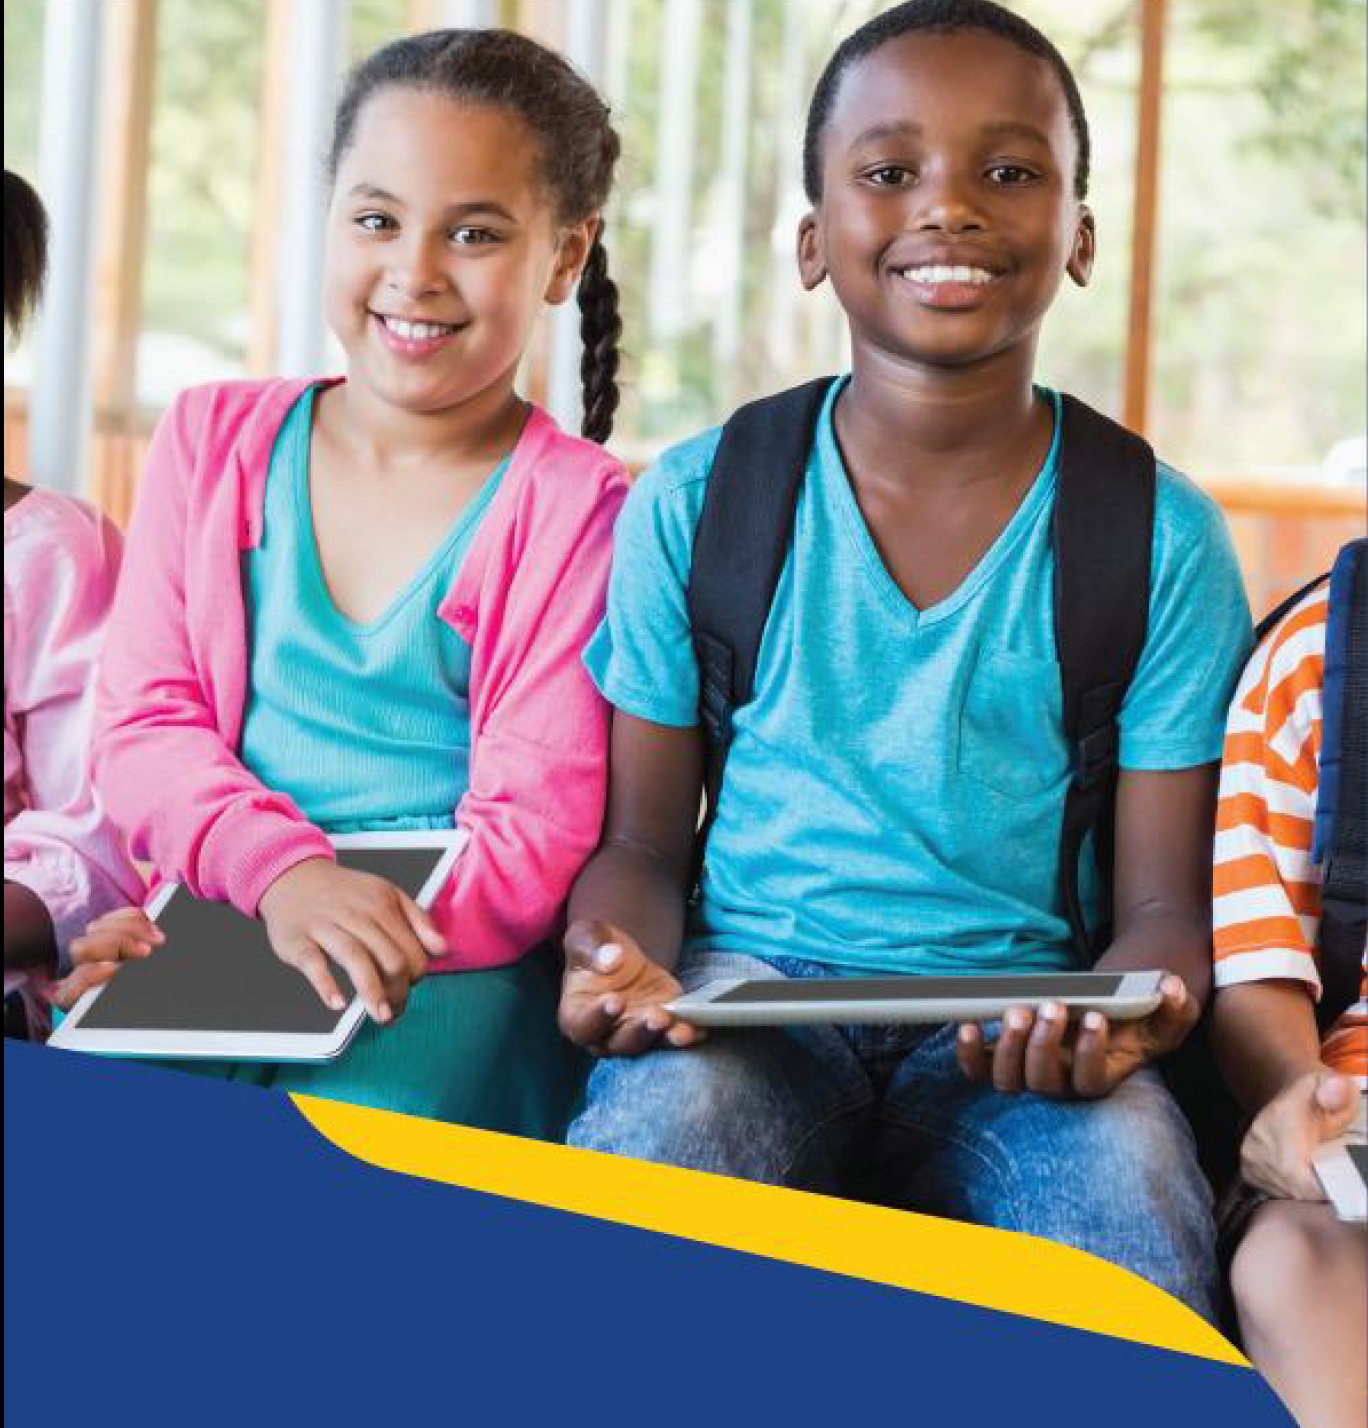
[(1084, 254), (571, 256), (812, 268)]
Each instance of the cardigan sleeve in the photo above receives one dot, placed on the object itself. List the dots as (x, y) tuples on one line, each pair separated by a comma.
[(538, 770), (59, 842), (161, 763)]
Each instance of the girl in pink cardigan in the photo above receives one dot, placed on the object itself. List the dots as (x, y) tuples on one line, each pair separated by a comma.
[(361, 603), (64, 862)]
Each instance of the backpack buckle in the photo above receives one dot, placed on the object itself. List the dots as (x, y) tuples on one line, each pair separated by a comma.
[(1095, 755)]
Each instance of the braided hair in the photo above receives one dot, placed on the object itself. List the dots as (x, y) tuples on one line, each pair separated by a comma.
[(941, 17), (26, 229), (600, 331), (579, 151)]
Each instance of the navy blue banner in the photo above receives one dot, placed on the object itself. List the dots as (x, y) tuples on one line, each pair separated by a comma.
[(191, 1252)]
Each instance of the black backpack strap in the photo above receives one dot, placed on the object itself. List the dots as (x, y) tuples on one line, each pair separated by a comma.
[(1103, 537), (1344, 885), (739, 550)]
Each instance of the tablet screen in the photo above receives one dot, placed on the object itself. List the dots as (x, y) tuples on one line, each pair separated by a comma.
[(1358, 1158), (1094, 985), (216, 970)]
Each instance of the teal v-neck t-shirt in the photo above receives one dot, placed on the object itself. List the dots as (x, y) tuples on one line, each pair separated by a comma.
[(893, 797), (363, 725)]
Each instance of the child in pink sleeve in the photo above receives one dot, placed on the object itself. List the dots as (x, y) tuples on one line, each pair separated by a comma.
[(64, 862)]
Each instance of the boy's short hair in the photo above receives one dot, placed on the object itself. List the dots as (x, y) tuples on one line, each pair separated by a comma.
[(937, 17)]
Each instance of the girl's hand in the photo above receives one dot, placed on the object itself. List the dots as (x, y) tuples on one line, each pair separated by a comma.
[(117, 937), (127, 934), (613, 996), (371, 929), (1047, 1053), (66, 993), (1278, 1147)]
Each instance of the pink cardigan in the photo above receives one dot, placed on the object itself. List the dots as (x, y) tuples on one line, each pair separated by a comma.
[(173, 680), (61, 561)]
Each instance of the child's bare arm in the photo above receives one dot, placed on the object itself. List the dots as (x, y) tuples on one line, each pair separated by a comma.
[(631, 894), (1162, 876), (638, 879), (1265, 1038), (1269, 1049), (1162, 920)]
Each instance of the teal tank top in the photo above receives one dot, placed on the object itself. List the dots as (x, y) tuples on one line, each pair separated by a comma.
[(362, 725)]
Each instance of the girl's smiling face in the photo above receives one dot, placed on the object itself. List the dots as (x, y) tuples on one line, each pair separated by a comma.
[(947, 217), (443, 244)]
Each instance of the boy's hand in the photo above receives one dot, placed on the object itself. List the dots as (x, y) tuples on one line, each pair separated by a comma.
[(1046, 1053), (372, 930), (125, 935), (1278, 1147), (613, 996)]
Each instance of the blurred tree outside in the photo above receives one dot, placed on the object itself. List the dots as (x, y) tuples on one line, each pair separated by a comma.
[(1259, 339), (23, 73), (372, 23), (201, 195), (23, 85)]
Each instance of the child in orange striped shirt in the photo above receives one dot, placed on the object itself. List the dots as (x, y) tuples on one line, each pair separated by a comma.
[(1298, 1274)]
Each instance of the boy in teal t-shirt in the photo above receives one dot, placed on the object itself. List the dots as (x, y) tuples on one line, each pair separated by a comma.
[(894, 791)]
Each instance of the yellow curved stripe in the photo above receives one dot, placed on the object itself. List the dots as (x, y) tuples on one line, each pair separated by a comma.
[(994, 1269)]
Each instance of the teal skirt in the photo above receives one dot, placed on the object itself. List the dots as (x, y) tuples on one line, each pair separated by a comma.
[(474, 1048)]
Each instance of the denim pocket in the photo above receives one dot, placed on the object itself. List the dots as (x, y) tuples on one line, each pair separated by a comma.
[(1011, 728)]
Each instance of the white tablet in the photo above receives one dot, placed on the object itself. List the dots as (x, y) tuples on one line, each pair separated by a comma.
[(1342, 1167), (215, 989), (1120, 996)]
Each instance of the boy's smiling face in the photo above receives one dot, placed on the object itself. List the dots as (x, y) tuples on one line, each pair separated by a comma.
[(947, 217)]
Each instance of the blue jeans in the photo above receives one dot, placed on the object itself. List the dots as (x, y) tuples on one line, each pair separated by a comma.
[(887, 1109)]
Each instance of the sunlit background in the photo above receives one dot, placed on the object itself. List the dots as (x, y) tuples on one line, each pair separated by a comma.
[(196, 134)]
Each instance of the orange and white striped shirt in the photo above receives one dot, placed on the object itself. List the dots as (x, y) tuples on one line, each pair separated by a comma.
[(1267, 890)]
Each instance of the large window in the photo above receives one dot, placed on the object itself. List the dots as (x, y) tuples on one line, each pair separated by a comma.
[(1257, 361)]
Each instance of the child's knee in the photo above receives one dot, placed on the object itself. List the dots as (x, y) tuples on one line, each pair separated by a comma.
[(695, 1108), (633, 1104), (1293, 1251), (1137, 1136), (1123, 1172)]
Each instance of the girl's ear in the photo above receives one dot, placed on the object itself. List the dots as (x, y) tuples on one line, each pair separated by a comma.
[(812, 268), (1081, 259), (571, 256)]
